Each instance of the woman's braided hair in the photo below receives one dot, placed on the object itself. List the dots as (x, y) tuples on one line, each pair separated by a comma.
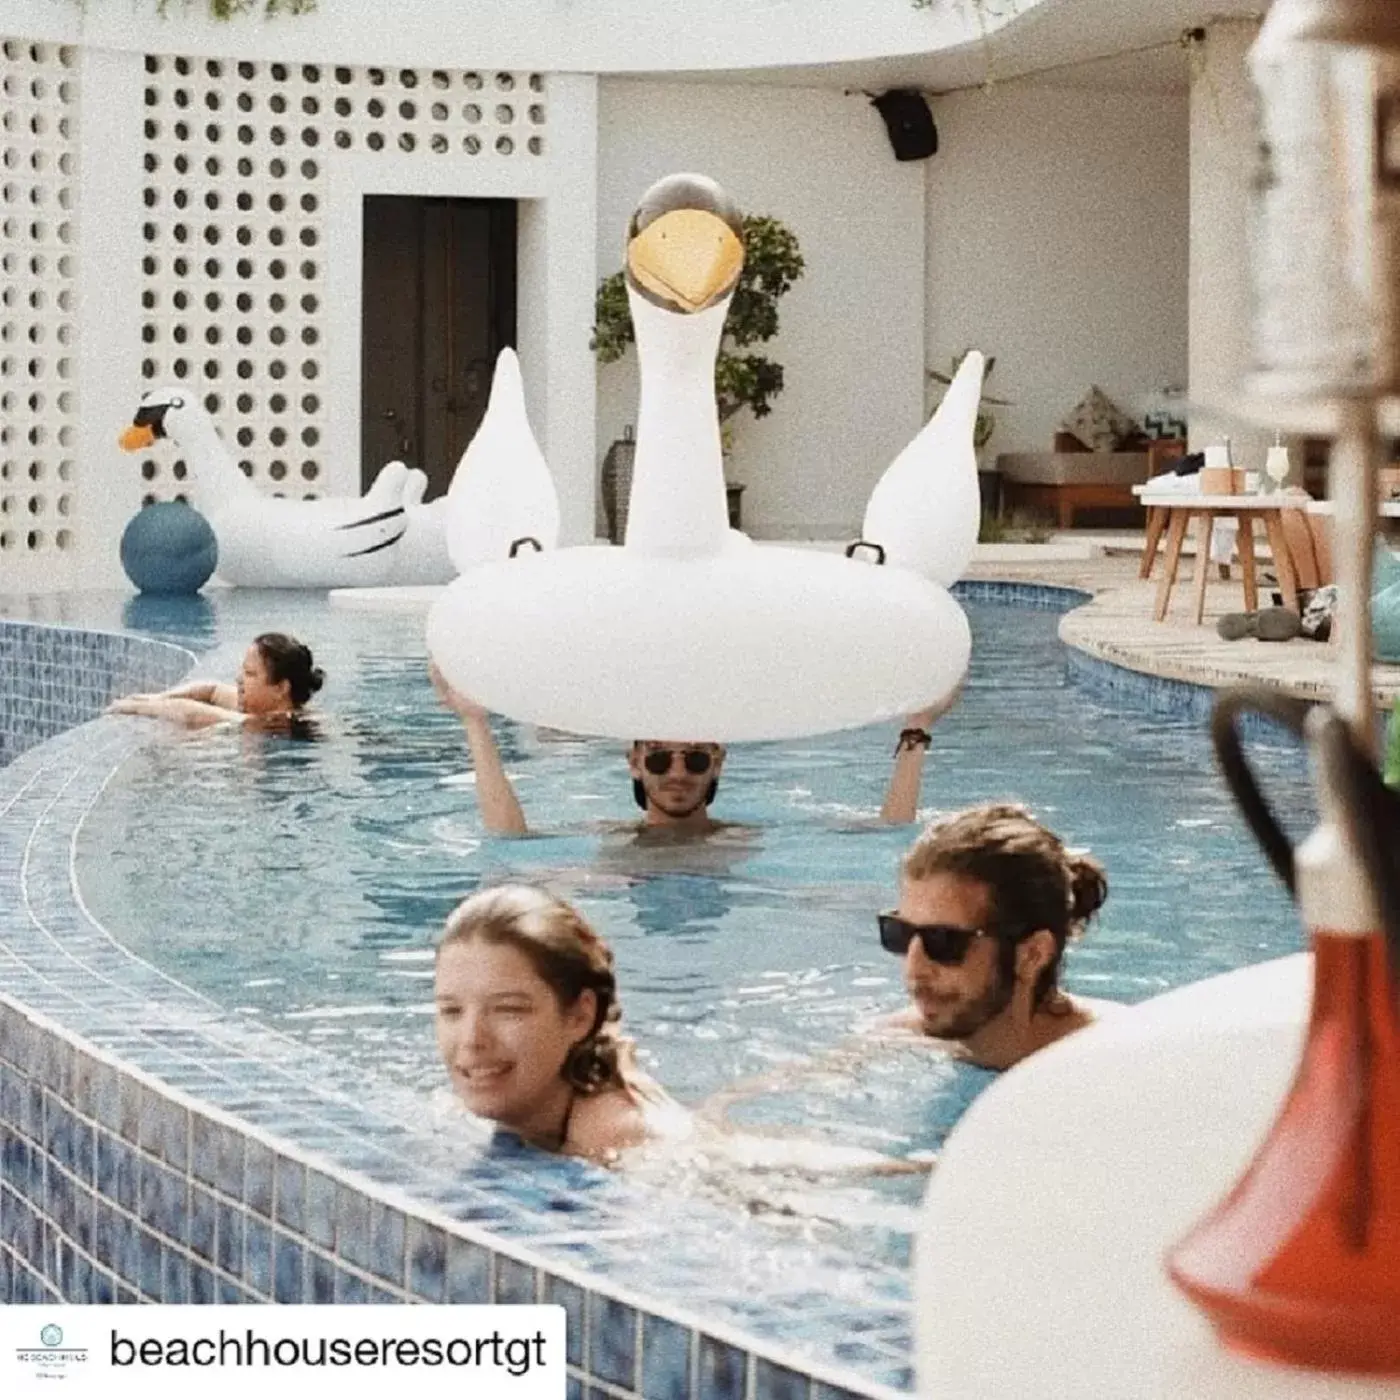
[(568, 956)]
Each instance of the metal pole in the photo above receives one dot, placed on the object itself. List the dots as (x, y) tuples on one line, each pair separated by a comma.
[(1353, 490)]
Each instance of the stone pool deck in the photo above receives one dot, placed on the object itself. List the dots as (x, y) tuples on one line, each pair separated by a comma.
[(1117, 626)]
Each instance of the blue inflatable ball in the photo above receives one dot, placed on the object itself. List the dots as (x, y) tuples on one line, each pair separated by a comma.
[(169, 547)]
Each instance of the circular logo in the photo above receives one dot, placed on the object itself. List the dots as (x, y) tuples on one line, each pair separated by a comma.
[(51, 1336)]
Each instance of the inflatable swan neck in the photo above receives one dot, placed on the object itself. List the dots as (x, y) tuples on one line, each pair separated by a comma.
[(217, 479), (677, 506)]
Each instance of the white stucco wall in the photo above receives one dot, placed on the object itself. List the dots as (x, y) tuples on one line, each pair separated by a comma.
[(851, 340), (1058, 242)]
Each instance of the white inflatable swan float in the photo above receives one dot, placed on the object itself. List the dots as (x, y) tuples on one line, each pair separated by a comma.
[(379, 538), (687, 629)]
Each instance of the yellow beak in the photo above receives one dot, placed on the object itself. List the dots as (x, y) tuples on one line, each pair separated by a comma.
[(688, 257), (137, 438)]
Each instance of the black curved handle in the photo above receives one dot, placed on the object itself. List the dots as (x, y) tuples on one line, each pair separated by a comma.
[(1369, 811), (1230, 707), (866, 544), (524, 539)]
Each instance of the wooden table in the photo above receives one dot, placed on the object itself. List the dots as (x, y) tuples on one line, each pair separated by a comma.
[(1171, 514)]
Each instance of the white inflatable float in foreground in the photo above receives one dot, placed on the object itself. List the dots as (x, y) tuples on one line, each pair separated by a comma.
[(1039, 1261), (686, 630)]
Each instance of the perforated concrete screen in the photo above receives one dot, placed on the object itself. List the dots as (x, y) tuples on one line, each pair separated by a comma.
[(38, 270), (236, 178)]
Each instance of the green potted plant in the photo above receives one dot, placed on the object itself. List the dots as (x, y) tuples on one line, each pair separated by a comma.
[(743, 379)]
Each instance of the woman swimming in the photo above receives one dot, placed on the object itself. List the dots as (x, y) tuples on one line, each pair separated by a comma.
[(277, 679), (527, 1025)]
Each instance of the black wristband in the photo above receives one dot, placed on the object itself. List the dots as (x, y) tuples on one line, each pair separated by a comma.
[(913, 738)]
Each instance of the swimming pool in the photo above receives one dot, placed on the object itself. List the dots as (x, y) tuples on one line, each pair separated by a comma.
[(305, 883)]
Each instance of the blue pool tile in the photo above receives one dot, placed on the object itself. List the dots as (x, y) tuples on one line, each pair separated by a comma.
[(666, 1354), (720, 1372), (352, 1228), (229, 1238), (288, 1283), (573, 1388), (228, 1161), (570, 1296), (231, 1292), (203, 1158), (612, 1341), (257, 1266), (320, 1278), (201, 1223), (125, 1175), (320, 1209), (387, 1243), (468, 1272), (151, 1265), (129, 1109), (257, 1184), (177, 1277), (349, 1288), (515, 1282), (81, 1151), (427, 1261), (202, 1289), (291, 1193), (774, 1382)]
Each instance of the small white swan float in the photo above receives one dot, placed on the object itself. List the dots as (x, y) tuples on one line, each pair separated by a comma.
[(270, 542), (687, 629)]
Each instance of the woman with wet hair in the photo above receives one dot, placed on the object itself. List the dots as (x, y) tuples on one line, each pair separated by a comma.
[(527, 1025), (277, 679)]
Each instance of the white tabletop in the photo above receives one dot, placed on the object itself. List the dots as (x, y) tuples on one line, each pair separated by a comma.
[(1389, 510), (1192, 501)]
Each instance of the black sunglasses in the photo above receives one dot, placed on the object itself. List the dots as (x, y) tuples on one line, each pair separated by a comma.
[(658, 761), (942, 943)]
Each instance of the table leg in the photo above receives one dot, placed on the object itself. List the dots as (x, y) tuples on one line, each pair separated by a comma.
[(1283, 563), (1176, 533), (1248, 566), (1207, 523), (1156, 523)]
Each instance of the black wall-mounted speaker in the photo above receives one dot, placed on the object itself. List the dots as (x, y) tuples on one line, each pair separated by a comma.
[(909, 123)]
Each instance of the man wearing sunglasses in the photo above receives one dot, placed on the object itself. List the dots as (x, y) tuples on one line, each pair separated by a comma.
[(673, 782), (988, 899)]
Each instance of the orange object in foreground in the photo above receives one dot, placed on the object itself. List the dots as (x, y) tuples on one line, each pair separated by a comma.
[(1301, 1263)]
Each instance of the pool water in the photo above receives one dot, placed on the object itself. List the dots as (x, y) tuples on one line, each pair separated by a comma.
[(307, 882)]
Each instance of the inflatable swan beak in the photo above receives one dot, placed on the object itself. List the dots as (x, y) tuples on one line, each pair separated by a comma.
[(502, 490), (925, 511), (146, 427), (685, 245)]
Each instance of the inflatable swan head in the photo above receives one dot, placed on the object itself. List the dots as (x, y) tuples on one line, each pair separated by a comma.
[(685, 245)]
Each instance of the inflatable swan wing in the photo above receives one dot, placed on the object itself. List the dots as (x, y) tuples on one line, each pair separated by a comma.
[(502, 491), (926, 509), (683, 632)]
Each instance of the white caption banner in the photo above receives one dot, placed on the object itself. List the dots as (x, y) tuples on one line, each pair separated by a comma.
[(489, 1353)]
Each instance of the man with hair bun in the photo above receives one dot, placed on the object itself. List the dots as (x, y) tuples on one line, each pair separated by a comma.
[(988, 899)]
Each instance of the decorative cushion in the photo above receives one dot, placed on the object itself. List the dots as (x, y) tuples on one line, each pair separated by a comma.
[(1099, 423)]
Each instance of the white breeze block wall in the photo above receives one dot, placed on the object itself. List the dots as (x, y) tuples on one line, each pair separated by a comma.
[(1058, 232), (198, 220), (851, 340)]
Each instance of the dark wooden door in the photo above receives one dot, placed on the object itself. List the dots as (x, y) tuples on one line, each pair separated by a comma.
[(439, 305)]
